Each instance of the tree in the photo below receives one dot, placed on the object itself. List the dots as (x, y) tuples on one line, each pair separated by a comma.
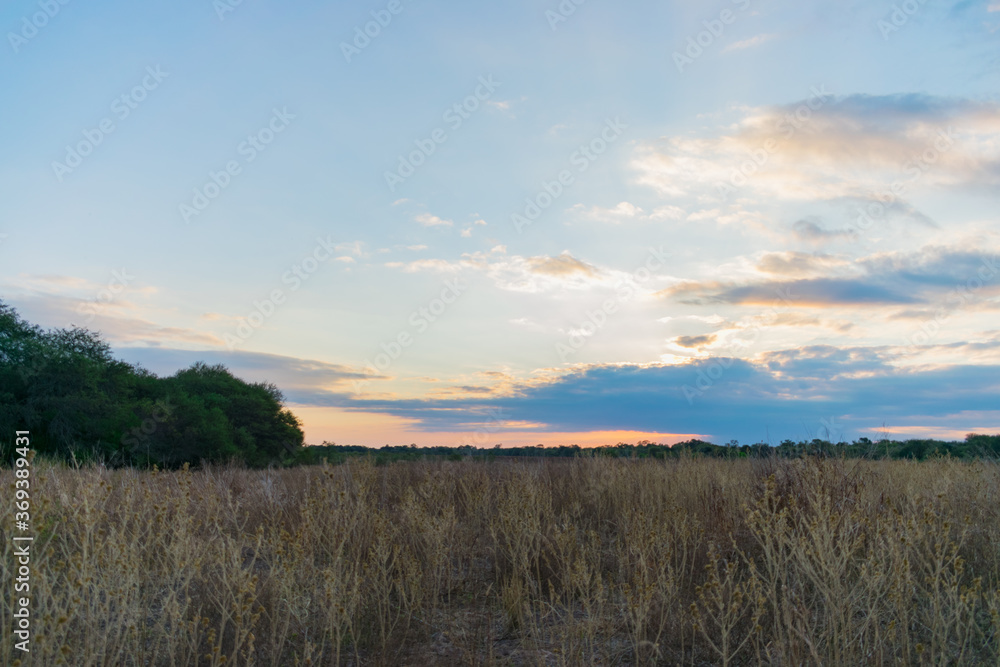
[(77, 400)]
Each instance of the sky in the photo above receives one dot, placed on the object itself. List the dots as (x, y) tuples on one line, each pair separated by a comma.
[(529, 222)]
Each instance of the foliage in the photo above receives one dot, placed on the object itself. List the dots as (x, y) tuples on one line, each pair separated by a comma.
[(80, 403), (974, 446)]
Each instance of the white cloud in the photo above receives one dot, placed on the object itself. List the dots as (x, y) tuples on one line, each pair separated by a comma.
[(626, 211), (527, 324), (431, 265), (666, 213), (854, 147), (704, 214), (428, 220), (749, 43), (536, 274), (355, 248)]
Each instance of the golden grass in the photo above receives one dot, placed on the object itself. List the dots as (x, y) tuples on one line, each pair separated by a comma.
[(555, 562)]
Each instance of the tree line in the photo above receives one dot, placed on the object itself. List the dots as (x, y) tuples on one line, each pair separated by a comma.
[(81, 404), (973, 446)]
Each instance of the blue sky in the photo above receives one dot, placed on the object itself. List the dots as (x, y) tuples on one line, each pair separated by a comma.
[(527, 222)]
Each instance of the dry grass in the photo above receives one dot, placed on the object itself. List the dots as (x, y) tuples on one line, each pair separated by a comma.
[(591, 561)]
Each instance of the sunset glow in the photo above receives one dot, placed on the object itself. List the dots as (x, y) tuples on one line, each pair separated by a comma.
[(507, 224)]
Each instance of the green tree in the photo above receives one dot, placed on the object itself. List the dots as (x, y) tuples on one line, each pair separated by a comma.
[(65, 386)]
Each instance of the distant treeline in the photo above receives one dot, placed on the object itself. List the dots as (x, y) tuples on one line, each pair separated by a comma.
[(973, 446), (81, 404)]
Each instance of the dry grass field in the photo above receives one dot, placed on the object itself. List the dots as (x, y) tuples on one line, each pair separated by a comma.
[(540, 562)]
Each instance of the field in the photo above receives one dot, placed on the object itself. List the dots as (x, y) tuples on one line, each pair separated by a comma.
[(524, 562)]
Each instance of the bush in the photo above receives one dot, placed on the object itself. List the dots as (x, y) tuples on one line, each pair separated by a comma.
[(79, 402)]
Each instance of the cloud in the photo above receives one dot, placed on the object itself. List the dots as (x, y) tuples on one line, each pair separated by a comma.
[(848, 147), (505, 106), (710, 319), (563, 265), (789, 393), (812, 231), (737, 334), (356, 248), (428, 220), (704, 214), (796, 263), (749, 43), (545, 273), (792, 319), (58, 283), (666, 213), (617, 214), (817, 292), (119, 321), (293, 375), (427, 265), (626, 211), (926, 276), (515, 273), (827, 362), (695, 341)]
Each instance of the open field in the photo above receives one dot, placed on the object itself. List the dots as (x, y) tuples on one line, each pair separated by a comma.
[(555, 562)]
